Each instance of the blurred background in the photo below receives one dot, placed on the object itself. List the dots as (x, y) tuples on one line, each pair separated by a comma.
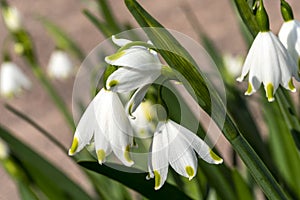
[(217, 19)]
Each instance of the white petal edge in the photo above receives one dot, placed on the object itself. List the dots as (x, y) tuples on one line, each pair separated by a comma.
[(127, 79), (120, 42)]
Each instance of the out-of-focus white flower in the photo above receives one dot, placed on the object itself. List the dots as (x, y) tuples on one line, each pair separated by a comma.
[(4, 151), (233, 64), (144, 121), (289, 35), (106, 122), (12, 18), (175, 145), (60, 65), (12, 80), (268, 62)]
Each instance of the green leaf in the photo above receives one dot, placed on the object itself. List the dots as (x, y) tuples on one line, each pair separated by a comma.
[(62, 39), (242, 189), (107, 13), (25, 191), (48, 178), (283, 147), (101, 26), (247, 16), (136, 181)]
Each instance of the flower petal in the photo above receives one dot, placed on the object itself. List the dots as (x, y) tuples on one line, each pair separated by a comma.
[(13, 80), (116, 126), (159, 155), (102, 146), (126, 79), (202, 149), (136, 99), (120, 42), (181, 155), (137, 58), (60, 65), (86, 126)]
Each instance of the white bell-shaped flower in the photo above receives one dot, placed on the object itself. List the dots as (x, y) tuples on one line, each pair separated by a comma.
[(106, 122), (144, 121), (12, 80), (268, 62), (176, 145), (60, 65), (233, 64), (137, 62), (289, 35), (12, 18)]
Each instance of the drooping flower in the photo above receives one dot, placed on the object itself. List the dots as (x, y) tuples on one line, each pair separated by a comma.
[(12, 79), (60, 65), (139, 64), (12, 18), (144, 121), (176, 145), (233, 64), (268, 62), (289, 35), (106, 123)]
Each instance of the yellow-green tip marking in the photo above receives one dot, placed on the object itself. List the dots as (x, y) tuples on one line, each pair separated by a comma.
[(101, 156), (249, 90), (115, 56), (157, 180), (269, 92), (74, 146), (215, 157), (190, 172), (291, 86), (127, 154), (113, 83)]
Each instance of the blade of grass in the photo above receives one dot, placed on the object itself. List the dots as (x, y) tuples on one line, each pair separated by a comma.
[(101, 26)]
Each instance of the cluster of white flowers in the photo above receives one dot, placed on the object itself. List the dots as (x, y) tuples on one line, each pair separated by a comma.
[(13, 80), (111, 126), (271, 60)]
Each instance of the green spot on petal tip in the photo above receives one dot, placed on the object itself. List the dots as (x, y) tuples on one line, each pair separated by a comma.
[(249, 90), (115, 56), (291, 86), (74, 146), (215, 157), (190, 171), (127, 155), (101, 156), (269, 91), (157, 180), (113, 83)]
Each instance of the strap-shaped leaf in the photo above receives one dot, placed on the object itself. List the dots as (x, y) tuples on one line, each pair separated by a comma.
[(54, 183), (136, 181)]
